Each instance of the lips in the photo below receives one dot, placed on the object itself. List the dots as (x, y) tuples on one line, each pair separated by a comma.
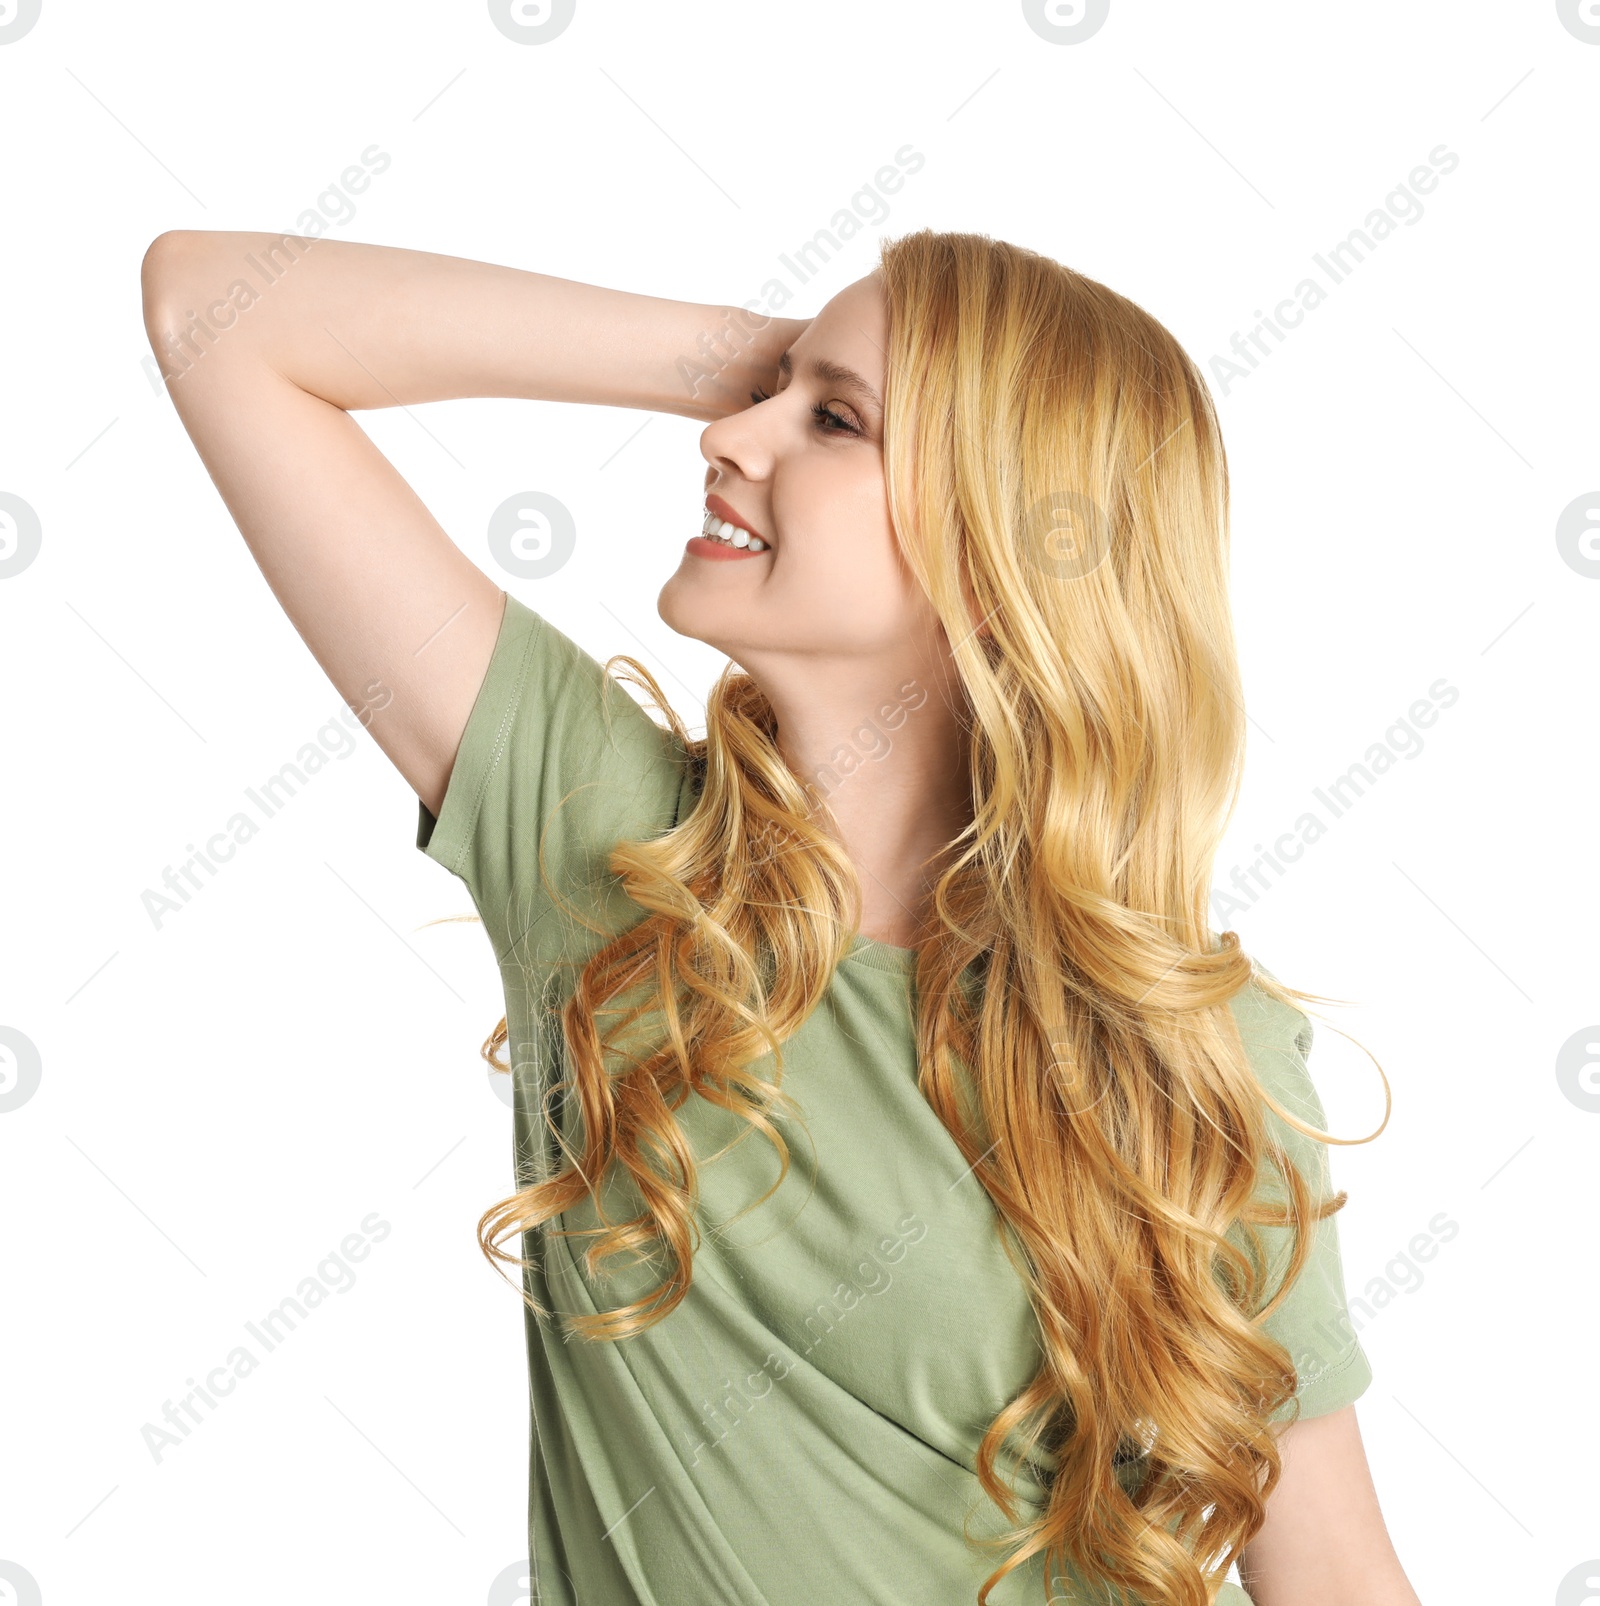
[(725, 510)]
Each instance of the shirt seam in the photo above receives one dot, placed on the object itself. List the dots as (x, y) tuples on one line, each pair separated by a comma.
[(1331, 1374), (502, 737)]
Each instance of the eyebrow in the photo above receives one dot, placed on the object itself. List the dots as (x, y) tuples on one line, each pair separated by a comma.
[(834, 373)]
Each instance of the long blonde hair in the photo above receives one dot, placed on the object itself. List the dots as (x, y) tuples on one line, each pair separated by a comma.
[(1053, 454)]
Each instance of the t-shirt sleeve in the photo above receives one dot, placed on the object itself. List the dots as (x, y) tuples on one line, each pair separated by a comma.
[(558, 763), (1313, 1320)]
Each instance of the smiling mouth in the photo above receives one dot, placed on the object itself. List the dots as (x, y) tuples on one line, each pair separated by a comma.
[(730, 534)]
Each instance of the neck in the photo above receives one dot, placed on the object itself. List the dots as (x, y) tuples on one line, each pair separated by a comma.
[(886, 752)]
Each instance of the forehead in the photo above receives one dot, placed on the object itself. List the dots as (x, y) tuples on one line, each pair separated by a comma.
[(846, 341)]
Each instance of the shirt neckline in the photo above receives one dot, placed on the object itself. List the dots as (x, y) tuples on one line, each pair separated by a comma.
[(880, 955)]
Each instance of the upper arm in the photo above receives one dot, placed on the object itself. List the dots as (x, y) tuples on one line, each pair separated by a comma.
[(558, 763), (1311, 1319), (399, 618), (1324, 1542)]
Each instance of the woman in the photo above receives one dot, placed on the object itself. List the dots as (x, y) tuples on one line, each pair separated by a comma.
[(1030, 1288)]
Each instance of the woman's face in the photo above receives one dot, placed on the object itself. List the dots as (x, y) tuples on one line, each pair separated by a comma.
[(831, 583)]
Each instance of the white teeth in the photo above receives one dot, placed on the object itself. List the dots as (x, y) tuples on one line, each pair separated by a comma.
[(716, 529)]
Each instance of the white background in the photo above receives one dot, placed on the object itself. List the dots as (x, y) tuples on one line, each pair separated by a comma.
[(225, 1097)]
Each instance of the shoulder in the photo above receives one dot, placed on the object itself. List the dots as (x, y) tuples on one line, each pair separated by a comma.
[(602, 714), (1270, 1026), (1277, 1038)]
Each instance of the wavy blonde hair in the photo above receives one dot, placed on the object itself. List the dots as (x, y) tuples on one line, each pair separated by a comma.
[(1053, 455)]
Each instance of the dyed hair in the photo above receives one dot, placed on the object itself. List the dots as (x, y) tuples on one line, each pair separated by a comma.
[(1053, 455)]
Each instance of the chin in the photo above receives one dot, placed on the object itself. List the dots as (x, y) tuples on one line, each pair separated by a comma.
[(679, 612), (669, 608), (720, 622)]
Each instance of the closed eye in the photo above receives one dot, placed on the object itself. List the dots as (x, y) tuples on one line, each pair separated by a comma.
[(822, 415)]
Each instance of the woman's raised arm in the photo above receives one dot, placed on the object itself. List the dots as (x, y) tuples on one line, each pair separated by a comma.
[(264, 380)]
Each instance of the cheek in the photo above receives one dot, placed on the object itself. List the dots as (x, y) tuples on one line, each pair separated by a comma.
[(857, 577), (855, 599)]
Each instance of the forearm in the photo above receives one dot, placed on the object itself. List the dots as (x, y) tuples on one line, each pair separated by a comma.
[(1324, 1541), (367, 326)]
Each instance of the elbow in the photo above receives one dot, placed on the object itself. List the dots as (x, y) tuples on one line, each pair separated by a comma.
[(156, 275), (169, 263)]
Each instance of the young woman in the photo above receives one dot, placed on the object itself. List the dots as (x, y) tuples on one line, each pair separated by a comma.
[(920, 1202)]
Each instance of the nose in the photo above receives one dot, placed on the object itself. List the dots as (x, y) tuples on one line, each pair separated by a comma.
[(738, 447)]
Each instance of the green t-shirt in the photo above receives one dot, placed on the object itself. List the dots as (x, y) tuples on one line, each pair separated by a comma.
[(804, 1426)]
